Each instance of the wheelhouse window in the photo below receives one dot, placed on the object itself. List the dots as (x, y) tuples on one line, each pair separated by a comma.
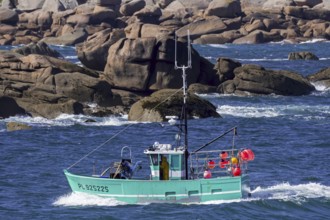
[(154, 159)]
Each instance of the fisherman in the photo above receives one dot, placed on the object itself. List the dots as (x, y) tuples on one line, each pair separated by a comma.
[(164, 168)]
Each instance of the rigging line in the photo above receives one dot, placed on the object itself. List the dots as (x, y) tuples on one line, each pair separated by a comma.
[(119, 132)]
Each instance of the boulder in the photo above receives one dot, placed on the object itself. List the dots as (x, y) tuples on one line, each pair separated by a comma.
[(8, 4), (255, 37), (254, 79), (276, 5), (130, 7), (38, 48), (149, 14), (11, 109), (302, 56), (8, 16), (225, 69), (311, 14), (324, 5), (224, 9), (255, 25), (53, 110), (93, 52), (321, 78), (309, 3), (7, 29), (59, 5), (137, 30), (32, 5), (188, 4), (103, 14), (169, 103), (258, 36), (198, 28), (223, 38), (68, 39), (16, 126), (79, 19), (201, 89), (106, 2), (208, 75), (145, 64), (294, 11)]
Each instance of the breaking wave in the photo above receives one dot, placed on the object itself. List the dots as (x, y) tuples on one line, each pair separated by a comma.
[(82, 199), (305, 111), (69, 120)]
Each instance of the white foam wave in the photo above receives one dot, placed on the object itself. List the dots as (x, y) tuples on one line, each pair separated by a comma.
[(219, 46), (248, 112), (320, 87), (209, 57), (69, 120), (264, 59), (211, 95), (71, 57), (82, 199), (286, 191), (62, 46), (301, 111), (316, 40)]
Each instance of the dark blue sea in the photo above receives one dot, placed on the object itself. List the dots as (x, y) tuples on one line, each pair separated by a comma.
[(290, 136)]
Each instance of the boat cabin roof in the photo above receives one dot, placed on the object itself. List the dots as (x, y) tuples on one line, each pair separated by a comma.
[(163, 149)]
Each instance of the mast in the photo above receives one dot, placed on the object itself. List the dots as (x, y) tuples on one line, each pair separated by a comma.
[(184, 81)]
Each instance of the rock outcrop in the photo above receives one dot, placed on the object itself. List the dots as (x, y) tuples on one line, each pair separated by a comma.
[(15, 126), (254, 79), (93, 53), (40, 48), (9, 107), (169, 103), (147, 64), (321, 78), (245, 21), (302, 56), (46, 86)]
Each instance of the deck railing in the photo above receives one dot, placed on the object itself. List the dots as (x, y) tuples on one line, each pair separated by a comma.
[(216, 163)]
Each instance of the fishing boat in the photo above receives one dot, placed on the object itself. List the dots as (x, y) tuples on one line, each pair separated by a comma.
[(176, 175)]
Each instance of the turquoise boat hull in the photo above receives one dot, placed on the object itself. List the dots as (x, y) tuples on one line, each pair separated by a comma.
[(134, 191)]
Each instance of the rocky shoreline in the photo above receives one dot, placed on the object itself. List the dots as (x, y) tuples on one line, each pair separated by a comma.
[(127, 51)]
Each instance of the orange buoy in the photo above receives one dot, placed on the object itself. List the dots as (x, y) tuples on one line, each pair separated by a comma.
[(246, 155), (223, 163), (211, 164), (223, 155), (236, 171), (234, 160), (207, 174)]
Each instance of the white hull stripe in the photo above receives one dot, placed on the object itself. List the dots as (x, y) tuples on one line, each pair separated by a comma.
[(172, 173)]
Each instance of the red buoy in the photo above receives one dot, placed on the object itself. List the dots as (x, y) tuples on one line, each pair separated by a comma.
[(207, 174), (211, 164), (223, 163), (223, 155), (247, 155), (236, 171)]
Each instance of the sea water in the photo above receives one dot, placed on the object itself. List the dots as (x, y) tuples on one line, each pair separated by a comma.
[(289, 178)]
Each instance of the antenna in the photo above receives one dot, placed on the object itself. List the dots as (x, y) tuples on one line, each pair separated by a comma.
[(184, 79), (183, 67)]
